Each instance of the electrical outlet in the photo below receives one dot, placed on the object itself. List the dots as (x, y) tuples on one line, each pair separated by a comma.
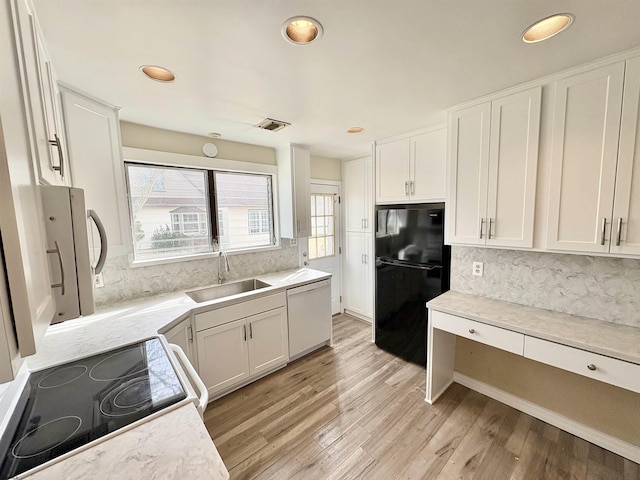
[(293, 242), (98, 280), (478, 269)]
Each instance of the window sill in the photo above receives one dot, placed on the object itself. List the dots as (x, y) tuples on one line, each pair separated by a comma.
[(199, 256)]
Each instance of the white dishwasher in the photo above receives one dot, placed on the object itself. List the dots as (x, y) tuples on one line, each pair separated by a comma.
[(309, 314)]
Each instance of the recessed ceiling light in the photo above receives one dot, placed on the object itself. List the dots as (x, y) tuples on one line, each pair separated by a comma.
[(547, 27), (302, 30), (355, 130), (160, 74)]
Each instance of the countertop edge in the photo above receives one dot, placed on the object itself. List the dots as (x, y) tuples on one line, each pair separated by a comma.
[(544, 332)]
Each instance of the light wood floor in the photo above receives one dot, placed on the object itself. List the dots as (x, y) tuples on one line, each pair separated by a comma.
[(354, 411)]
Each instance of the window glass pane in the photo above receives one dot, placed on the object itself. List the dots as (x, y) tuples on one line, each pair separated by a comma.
[(329, 225), (248, 212), (313, 251), (321, 247), (328, 204), (319, 204), (165, 206), (329, 244)]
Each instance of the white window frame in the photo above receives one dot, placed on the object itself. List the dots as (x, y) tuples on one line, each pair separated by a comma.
[(169, 159)]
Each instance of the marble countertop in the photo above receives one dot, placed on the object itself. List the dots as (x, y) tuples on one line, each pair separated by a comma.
[(611, 339), (146, 451), (173, 446)]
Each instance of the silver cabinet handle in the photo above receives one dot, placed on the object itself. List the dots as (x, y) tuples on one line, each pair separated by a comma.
[(56, 142), (604, 230), (490, 228), (471, 330), (618, 232), (406, 189), (244, 332), (362, 258), (190, 334), (61, 263), (297, 226), (591, 367), (481, 226), (103, 240), (412, 185), (250, 330)]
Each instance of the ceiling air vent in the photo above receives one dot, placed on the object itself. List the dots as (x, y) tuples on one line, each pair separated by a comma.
[(272, 125)]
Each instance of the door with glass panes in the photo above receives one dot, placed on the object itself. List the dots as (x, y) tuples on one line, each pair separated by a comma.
[(323, 246)]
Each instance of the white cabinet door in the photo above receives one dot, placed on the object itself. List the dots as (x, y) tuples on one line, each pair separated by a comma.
[(268, 340), (468, 176), (223, 359), (357, 194), (182, 335), (625, 237), (21, 216), (358, 290), (584, 152), (392, 171), (39, 92), (302, 189), (95, 155), (513, 166), (294, 191), (428, 166)]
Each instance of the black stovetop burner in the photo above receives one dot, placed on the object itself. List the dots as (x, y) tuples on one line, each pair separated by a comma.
[(67, 406)]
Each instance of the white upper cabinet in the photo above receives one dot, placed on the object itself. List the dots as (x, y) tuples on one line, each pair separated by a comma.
[(412, 169), (95, 157), (40, 90), (32, 304), (493, 165), (392, 171), (428, 166), (626, 205), (294, 182), (584, 154), (357, 194)]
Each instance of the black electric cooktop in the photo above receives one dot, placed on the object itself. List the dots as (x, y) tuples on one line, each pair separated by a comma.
[(67, 406)]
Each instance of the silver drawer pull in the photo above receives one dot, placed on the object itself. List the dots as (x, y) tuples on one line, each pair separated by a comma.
[(591, 367), (471, 330)]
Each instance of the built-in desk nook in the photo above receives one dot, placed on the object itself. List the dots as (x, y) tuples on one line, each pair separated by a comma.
[(604, 351)]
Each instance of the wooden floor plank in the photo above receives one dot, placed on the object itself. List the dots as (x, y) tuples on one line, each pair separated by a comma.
[(356, 412)]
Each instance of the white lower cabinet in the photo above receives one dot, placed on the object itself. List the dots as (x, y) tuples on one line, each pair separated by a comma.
[(358, 290), (182, 335), (241, 349)]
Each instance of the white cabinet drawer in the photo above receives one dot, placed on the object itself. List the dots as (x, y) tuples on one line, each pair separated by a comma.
[(220, 316), (599, 367), (480, 332)]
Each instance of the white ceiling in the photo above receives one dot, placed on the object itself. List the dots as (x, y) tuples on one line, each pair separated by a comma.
[(390, 66)]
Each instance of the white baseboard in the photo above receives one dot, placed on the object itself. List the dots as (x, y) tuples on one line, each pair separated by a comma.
[(620, 447), (358, 316)]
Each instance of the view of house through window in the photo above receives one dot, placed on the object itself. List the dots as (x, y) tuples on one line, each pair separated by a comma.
[(170, 210), (245, 202), (322, 239)]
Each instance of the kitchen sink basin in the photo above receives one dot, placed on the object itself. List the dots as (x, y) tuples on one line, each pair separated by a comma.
[(226, 290)]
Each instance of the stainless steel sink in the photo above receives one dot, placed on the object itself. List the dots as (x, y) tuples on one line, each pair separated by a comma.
[(226, 290)]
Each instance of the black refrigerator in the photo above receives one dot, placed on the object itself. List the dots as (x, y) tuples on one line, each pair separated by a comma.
[(412, 267)]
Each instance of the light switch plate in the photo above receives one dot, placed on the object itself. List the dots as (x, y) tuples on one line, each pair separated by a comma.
[(478, 269)]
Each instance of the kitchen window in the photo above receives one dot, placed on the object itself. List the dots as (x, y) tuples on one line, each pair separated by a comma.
[(171, 207)]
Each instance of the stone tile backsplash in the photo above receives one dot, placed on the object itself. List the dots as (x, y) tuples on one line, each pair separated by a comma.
[(598, 287), (123, 283)]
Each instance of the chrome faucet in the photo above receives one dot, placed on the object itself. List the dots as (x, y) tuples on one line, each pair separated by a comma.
[(227, 267)]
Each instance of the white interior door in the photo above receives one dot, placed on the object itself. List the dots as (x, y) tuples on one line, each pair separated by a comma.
[(323, 246)]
